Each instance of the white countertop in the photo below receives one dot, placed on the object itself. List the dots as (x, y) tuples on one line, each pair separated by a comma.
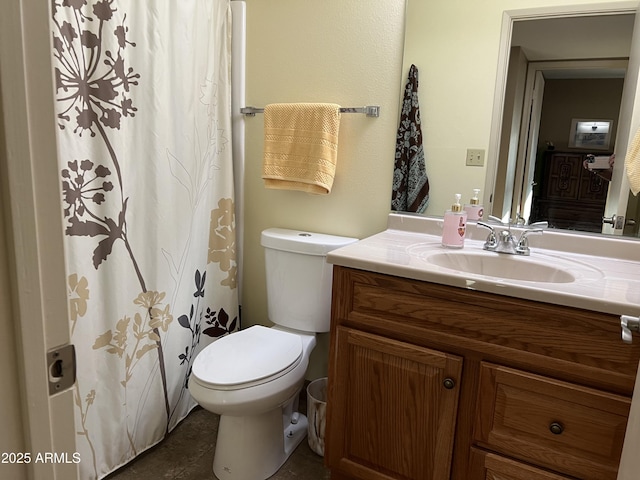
[(607, 280)]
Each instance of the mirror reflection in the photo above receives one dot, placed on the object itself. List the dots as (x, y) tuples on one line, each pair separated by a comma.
[(562, 105), (559, 73)]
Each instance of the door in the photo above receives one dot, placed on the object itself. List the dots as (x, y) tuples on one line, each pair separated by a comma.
[(630, 461), (31, 207), (394, 408), (629, 123), (630, 113), (533, 96), (529, 144)]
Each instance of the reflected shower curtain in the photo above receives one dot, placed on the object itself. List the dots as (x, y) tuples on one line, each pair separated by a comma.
[(144, 116)]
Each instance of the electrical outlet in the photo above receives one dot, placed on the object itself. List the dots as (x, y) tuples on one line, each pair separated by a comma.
[(475, 157)]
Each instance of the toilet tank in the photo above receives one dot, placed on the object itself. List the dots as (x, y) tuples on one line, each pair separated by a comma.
[(299, 278)]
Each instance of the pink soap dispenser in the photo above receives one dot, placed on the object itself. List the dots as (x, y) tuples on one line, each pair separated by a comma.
[(473, 208), (455, 225)]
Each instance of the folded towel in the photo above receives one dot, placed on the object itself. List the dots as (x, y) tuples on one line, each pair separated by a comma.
[(300, 146), (410, 181), (632, 164)]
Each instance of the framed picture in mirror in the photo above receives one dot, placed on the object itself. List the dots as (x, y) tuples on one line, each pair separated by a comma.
[(593, 134)]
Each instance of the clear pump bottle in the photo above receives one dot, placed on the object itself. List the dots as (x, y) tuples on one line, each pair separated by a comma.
[(474, 209), (455, 225)]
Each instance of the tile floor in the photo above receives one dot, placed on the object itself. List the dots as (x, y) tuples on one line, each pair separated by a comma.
[(187, 454)]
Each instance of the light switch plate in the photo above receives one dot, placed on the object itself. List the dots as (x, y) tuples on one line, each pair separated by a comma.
[(475, 157)]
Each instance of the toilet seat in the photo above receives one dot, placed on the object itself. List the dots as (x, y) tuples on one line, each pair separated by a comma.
[(246, 358)]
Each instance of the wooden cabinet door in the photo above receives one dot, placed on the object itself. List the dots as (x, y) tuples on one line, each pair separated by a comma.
[(570, 196), (392, 408), (564, 171)]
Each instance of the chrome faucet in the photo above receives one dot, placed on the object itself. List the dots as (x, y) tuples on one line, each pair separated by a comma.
[(506, 242)]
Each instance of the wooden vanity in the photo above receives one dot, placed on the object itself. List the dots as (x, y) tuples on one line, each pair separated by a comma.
[(435, 382)]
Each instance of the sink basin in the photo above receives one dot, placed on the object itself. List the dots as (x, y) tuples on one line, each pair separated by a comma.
[(501, 266)]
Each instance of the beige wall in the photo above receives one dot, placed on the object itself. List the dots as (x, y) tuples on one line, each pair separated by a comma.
[(564, 100), (455, 44), (346, 52)]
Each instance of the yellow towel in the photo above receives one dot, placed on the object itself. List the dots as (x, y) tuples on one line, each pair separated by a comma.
[(300, 146), (632, 164)]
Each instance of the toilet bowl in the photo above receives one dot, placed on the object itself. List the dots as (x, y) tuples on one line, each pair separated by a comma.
[(255, 393), (253, 378)]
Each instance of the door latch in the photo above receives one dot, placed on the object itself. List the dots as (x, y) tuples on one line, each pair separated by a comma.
[(629, 324), (61, 365), (616, 221)]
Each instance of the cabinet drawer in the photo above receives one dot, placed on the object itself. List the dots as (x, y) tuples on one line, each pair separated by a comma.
[(575, 345), (489, 466), (568, 428)]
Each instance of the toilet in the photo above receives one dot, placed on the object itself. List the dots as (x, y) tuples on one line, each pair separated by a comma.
[(252, 378)]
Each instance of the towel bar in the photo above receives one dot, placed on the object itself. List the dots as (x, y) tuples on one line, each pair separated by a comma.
[(369, 110)]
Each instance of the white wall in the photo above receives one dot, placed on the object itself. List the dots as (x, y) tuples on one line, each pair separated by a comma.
[(341, 51)]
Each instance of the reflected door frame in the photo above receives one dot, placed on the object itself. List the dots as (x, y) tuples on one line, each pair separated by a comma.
[(508, 19), (533, 97)]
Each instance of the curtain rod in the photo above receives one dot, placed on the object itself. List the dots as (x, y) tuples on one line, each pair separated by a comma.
[(369, 110)]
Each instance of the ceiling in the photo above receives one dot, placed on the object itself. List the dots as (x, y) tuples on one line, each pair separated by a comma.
[(592, 37)]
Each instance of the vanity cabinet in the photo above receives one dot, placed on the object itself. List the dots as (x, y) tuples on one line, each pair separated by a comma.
[(428, 382)]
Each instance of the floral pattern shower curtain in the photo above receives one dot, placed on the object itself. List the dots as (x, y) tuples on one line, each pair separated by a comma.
[(144, 116)]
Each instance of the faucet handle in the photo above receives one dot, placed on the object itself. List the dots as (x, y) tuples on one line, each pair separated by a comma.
[(538, 225), (499, 221), (480, 223), (519, 222), (523, 244), (492, 240)]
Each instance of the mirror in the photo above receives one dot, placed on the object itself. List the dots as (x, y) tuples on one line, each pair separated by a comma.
[(477, 69)]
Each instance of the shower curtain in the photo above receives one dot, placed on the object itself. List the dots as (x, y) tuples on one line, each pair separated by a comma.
[(143, 107)]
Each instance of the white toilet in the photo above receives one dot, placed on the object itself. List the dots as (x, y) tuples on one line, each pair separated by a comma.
[(252, 378)]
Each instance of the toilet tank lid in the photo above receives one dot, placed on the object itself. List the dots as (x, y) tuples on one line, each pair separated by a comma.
[(299, 241)]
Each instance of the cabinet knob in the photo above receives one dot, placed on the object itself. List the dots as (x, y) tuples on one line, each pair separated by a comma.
[(556, 428), (449, 383)]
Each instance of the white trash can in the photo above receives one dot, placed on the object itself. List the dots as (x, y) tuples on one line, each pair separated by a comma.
[(317, 414)]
